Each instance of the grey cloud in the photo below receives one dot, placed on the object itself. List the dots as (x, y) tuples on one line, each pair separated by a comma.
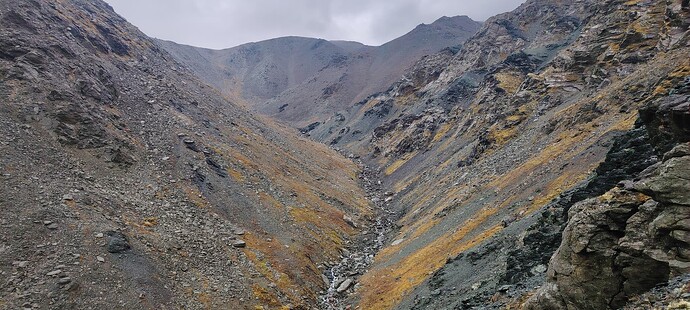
[(227, 23)]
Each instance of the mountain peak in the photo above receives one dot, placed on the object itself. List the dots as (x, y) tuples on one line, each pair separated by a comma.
[(458, 21), (445, 19)]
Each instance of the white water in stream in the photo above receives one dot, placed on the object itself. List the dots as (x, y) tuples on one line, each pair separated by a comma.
[(361, 257)]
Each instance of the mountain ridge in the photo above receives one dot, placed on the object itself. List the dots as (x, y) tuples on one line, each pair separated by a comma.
[(301, 90)]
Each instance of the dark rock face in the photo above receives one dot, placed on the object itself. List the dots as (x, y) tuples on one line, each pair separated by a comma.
[(669, 118), (116, 242), (673, 295), (622, 244), (630, 154)]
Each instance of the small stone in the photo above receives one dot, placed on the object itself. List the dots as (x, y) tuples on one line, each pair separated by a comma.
[(22, 264), (396, 242), (539, 269), (52, 226), (349, 221), (344, 286), (100, 259), (626, 184), (67, 197), (64, 280), (681, 235), (99, 235), (117, 242), (504, 288), (239, 243), (54, 273), (345, 252)]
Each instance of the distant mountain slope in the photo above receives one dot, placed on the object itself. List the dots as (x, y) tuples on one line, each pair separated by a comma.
[(259, 71), (128, 183), (300, 80)]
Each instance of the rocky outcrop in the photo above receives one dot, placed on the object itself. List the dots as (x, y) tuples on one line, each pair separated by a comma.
[(624, 242), (630, 154), (634, 237)]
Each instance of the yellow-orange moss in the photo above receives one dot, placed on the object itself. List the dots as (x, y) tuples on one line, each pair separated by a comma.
[(509, 81), (502, 135), (195, 196), (384, 288), (398, 163), (441, 132), (270, 200), (266, 257), (150, 222), (265, 297), (235, 175)]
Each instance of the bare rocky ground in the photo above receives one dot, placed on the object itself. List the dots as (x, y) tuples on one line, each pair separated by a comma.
[(675, 295)]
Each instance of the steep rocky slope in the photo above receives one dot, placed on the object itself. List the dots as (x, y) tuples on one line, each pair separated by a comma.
[(635, 236), (128, 183), (473, 142), (302, 80)]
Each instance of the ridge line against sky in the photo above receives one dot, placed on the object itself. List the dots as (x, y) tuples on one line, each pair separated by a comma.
[(221, 24)]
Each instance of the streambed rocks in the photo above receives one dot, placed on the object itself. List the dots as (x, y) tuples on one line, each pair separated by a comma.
[(342, 276)]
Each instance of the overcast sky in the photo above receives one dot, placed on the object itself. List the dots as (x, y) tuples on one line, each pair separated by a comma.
[(227, 23)]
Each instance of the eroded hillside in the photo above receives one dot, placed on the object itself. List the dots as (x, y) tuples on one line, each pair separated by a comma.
[(128, 183)]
